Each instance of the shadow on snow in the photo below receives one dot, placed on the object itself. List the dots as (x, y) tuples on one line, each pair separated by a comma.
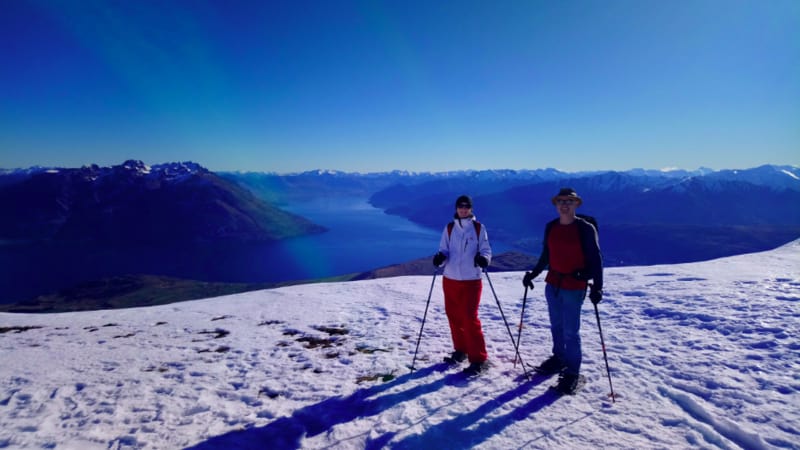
[(456, 432), (288, 432)]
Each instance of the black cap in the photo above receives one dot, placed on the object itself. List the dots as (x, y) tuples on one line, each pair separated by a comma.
[(464, 200)]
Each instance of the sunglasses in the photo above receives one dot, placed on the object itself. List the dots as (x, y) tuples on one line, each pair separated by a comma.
[(564, 201), (464, 205)]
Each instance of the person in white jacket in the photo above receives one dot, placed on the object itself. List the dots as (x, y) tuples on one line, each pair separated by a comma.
[(465, 252)]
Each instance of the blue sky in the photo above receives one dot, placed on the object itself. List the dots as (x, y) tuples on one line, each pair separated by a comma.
[(372, 85)]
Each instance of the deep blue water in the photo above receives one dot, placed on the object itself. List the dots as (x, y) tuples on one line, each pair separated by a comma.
[(360, 238)]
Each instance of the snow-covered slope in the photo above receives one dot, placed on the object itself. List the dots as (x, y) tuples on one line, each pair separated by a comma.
[(702, 355)]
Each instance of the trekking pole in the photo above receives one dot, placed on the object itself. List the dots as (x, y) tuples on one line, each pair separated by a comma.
[(424, 316), (605, 356), (510, 334), (519, 331)]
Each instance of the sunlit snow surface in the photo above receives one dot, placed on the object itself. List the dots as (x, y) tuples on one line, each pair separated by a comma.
[(702, 355)]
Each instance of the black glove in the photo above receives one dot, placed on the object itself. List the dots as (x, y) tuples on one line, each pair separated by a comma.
[(596, 296), (481, 261), (438, 259), (527, 280)]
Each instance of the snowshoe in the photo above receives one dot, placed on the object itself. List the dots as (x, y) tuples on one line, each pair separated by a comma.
[(569, 384), (550, 366), (455, 358), (476, 369)]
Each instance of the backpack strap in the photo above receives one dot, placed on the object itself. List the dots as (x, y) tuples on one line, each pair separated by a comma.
[(474, 222), (589, 219)]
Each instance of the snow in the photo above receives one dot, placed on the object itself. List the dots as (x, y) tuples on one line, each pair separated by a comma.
[(790, 174), (702, 355)]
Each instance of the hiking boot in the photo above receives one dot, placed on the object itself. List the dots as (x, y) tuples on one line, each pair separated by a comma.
[(457, 357), (476, 368), (570, 383), (551, 366)]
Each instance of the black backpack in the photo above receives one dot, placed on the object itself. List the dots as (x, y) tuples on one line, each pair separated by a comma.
[(591, 220)]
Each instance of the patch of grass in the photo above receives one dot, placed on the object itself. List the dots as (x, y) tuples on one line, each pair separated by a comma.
[(313, 342), (369, 350), (218, 333), (220, 349), (17, 329), (270, 322), (384, 377), (333, 331)]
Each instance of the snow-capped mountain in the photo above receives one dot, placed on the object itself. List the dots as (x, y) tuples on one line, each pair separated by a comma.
[(775, 177), (131, 167), (670, 172), (700, 355), (134, 202), (648, 218), (288, 186), (643, 219)]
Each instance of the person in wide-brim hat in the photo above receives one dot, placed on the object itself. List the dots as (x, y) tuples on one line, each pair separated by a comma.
[(571, 254), (567, 193)]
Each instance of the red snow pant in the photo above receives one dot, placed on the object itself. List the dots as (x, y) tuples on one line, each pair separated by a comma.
[(461, 299)]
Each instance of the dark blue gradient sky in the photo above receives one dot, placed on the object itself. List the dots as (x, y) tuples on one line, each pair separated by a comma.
[(380, 85)]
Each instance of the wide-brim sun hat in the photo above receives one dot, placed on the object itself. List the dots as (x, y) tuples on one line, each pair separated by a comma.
[(568, 193)]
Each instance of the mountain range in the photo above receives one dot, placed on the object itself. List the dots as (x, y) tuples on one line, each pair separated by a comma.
[(136, 203), (643, 220), (645, 217), (282, 188)]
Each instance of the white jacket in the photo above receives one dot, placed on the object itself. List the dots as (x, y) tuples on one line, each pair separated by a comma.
[(460, 248)]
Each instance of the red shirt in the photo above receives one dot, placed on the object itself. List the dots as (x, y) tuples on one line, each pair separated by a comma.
[(566, 256)]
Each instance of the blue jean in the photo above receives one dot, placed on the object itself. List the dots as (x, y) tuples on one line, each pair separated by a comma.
[(564, 307)]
